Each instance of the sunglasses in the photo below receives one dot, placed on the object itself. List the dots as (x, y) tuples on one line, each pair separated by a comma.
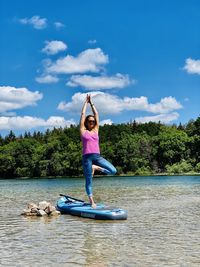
[(91, 121)]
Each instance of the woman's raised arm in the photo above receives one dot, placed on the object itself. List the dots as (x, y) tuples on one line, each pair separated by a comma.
[(94, 110), (82, 117)]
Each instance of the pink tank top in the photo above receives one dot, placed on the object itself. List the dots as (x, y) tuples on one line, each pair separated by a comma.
[(90, 142)]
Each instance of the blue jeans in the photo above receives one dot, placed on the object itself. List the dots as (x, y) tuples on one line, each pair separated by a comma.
[(96, 159)]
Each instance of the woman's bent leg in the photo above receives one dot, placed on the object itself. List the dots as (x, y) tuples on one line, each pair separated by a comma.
[(105, 165)]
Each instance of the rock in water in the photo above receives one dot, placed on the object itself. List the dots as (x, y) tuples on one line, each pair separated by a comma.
[(42, 213), (55, 213), (44, 208), (27, 212), (49, 209), (43, 205), (31, 205)]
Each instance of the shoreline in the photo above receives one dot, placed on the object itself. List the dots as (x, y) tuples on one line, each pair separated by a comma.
[(100, 176)]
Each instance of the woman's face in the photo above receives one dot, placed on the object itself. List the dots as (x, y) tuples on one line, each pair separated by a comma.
[(90, 123)]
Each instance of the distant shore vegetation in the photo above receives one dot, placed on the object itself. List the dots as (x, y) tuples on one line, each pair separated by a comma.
[(135, 149)]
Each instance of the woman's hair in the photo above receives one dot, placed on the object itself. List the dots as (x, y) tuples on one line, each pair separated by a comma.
[(86, 120)]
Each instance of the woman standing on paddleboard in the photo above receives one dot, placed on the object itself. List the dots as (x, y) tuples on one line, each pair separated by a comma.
[(92, 160)]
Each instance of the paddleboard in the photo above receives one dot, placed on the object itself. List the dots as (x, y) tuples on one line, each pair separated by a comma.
[(73, 206)]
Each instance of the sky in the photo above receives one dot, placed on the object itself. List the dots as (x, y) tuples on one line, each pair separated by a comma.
[(139, 60)]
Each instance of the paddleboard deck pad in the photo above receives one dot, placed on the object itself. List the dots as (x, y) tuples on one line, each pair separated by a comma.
[(73, 206)]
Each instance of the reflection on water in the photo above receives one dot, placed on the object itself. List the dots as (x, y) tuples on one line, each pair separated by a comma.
[(163, 226)]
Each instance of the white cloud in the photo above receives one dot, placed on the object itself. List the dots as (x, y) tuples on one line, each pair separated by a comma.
[(163, 118), (37, 22), (112, 104), (28, 122), (12, 98), (165, 105), (59, 25), (90, 60), (192, 66), (107, 122), (100, 82), (54, 47), (47, 79), (92, 41), (56, 121)]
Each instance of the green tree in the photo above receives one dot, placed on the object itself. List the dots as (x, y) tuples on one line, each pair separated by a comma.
[(133, 148), (171, 146), (133, 152), (179, 167), (7, 165)]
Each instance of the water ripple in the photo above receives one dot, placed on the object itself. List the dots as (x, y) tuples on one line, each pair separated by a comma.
[(163, 226)]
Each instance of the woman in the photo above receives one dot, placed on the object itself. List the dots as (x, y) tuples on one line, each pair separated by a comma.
[(92, 160)]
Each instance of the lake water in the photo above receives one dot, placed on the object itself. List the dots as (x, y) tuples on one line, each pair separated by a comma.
[(163, 226)]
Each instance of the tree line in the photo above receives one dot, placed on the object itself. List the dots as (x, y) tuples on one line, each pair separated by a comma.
[(134, 148)]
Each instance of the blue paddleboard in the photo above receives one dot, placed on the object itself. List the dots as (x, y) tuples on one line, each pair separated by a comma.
[(73, 206)]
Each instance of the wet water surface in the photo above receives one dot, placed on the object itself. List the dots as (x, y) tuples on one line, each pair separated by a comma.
[(163, 226)]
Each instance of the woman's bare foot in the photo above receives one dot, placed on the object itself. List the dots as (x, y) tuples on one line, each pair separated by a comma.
[(92, 202), (95, 168), (93, 205)]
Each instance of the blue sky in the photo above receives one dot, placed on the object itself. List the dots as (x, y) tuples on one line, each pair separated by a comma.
[(138, 59)]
